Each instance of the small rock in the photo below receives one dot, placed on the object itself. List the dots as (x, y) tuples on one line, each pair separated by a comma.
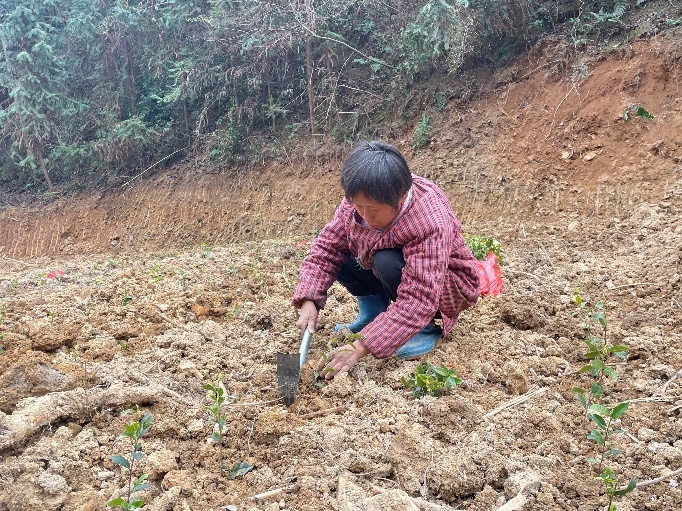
[(53, 484), (516, 378), (160, 462), (195, 426)]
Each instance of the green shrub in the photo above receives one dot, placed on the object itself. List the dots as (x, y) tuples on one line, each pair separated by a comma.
[(431, 380), (481, 244), (421, 132)]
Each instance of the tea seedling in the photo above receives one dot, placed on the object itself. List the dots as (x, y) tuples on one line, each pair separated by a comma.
[(217, 394), (206, 250), (611, 484), (235, 313), (239, 469), (599, 352), (431, 380), (421, 135), (480, 245), (602, 436), (638, 110), (135, 431), (77, 356), (183, 279), (156, 276), (126, 298)]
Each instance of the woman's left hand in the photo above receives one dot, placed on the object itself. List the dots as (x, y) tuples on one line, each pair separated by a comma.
[(341, 359)]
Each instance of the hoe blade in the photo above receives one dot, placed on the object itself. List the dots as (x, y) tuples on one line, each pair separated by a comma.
[(289, 370), (288, 375)]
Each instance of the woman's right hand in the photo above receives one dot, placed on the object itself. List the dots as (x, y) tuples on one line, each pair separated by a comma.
[(308, 316)]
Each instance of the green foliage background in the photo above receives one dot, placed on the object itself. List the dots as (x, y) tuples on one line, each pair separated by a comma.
[(94, 92)]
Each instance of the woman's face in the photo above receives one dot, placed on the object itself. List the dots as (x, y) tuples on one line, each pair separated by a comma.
[(377, 215)]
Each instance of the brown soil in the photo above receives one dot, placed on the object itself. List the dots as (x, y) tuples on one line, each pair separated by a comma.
[(175, 279)]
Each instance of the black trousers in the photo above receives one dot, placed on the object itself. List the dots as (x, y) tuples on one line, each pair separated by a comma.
[(388, 264)]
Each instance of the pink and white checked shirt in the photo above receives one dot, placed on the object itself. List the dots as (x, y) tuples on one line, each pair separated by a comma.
[(440, 272)]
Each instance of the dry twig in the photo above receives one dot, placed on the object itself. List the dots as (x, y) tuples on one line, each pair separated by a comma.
[(169, 320), (327, 411), (657, 480), (275, 492), (523, 273), (632, 285), (517, 400), (677, 375)]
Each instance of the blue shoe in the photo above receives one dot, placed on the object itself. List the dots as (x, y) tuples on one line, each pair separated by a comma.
[(422, 343), (370, 307)]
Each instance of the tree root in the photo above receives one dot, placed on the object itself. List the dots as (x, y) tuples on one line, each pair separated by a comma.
[(36, 412)]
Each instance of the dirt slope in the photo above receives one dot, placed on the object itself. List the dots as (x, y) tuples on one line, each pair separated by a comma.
[(157, 298)]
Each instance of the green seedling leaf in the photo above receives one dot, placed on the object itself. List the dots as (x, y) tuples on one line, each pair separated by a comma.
[(619, 348), (452, 381), (631, 486), (139, 487), (600, 316), (599, 420), (116, 502), (619, 410), (612, 452), (642, 112), (611, 373), (239, 469), (582, 400), (600, 409), (592, 460), (120, 460), (441, 370), (598, 364), (596, 437), (136, 503), (597, 391)]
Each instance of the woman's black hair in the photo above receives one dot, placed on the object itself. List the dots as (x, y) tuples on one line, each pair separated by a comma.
[(378, 170)]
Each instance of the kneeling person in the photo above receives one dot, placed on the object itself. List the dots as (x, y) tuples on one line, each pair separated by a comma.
[(396, 245)]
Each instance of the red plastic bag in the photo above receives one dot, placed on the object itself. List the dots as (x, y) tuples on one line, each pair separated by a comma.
[(490, 276)]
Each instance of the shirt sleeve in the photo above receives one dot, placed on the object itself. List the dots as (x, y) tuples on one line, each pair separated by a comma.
[(327, 255)]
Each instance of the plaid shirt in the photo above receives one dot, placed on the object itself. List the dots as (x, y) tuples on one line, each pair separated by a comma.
[(440, 272)]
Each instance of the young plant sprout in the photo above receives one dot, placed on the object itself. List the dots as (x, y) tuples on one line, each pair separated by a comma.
[(135, 431), (599, 352), (431, 380), (218, 395)]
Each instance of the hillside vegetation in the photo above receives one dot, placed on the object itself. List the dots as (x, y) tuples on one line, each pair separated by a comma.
[(95, 93)]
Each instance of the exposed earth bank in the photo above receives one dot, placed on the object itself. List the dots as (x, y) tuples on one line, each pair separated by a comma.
[(141, 295)]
